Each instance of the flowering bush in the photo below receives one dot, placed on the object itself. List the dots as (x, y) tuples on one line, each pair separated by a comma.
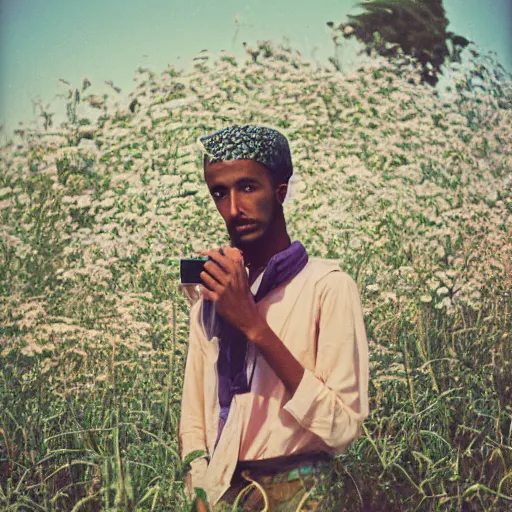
[(409, 190)]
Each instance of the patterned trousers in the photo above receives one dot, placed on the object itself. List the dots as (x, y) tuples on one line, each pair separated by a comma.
[(304, 488)]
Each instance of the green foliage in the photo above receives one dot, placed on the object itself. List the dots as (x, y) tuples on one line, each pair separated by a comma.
[(409, 191), (416, 28)]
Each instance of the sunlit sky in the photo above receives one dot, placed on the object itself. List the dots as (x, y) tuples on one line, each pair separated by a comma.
[(44, 40)]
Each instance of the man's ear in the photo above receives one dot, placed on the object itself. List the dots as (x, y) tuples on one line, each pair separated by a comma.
[(281, 191)]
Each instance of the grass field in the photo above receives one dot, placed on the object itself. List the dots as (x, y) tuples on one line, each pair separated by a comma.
[(409, 190)]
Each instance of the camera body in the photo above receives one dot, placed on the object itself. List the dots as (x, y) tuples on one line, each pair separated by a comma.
[(190, 268)]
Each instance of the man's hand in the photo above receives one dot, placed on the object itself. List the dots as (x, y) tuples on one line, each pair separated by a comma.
[(229, 289), (226, 284)]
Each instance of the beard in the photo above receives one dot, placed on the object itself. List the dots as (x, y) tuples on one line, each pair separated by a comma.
[(242, 237), (251, 233)]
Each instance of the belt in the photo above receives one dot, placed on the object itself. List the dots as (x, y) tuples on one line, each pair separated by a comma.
[(276, 465)]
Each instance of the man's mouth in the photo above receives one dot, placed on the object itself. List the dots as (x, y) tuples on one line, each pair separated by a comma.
[(242, 228)]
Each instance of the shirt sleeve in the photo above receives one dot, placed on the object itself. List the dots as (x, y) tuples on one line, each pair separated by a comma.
[(332, 401), (192, 422)]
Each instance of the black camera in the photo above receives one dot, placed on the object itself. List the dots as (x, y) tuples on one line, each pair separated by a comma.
[(190, 268)]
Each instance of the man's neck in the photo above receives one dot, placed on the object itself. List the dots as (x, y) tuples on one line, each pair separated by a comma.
[(257, 257)]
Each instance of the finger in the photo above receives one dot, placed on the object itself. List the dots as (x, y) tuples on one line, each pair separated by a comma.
[(223, 261), (237, 270), (237, 258), (210, 282), (207, 294), (217, 272), (233, 252)]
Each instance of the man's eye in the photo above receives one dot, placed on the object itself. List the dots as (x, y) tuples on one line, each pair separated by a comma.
[(217, 195), (248, 188)]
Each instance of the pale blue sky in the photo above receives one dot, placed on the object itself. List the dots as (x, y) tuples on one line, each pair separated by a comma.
[(43, 40)]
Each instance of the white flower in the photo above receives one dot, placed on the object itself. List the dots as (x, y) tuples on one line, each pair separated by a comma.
[(83, 201), (445, 303), (108, 202), (433, 284), (389, 296), (355, 243), (440, 252)]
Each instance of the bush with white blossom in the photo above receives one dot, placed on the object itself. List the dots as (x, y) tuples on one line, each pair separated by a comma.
[(410, 190)]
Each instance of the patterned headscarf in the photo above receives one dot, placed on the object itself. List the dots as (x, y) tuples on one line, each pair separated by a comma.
[(264, 145)]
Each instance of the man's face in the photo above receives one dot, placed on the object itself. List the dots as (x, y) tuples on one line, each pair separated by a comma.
[(245, 197)]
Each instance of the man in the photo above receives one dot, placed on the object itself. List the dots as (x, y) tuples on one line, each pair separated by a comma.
[(276, 376)]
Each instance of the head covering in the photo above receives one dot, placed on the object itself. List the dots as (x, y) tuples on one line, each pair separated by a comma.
[(264, 145)]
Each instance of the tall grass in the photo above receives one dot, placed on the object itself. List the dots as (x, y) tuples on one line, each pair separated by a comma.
[(409, 191)]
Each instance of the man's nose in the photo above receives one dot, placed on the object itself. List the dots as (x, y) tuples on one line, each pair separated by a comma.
[(234, 208)]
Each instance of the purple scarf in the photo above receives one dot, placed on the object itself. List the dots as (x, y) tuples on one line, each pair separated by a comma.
[(231, 364)]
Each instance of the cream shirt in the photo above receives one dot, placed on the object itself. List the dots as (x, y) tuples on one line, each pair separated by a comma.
[(318, 316)]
